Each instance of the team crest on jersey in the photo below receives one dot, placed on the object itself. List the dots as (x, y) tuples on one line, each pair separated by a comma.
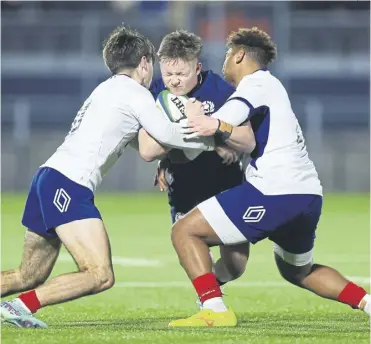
[(209, 107), (254, 214)]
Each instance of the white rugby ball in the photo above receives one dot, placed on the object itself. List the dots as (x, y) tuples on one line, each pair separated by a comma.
[(173, 108)]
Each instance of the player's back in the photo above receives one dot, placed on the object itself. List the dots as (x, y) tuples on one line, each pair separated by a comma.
[(103, 127), (280, 163)]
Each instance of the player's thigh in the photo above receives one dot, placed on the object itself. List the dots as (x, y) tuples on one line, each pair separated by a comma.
[(88, 243), (39, 255), (225, 214), (293, 246), (195, 224)]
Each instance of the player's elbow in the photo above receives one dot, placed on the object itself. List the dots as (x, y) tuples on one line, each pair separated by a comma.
[(250, 145), (247, 145), (147, 155), (151, 150)]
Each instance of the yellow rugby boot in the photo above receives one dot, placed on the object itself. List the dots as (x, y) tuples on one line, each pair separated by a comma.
[(207, 318)]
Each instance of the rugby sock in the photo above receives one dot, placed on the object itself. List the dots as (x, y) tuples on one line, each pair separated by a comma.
[(208, 290), (30, 300), (216, 304), (365, 304), (352, 295)]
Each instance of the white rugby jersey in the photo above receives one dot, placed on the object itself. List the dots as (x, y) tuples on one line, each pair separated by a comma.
[(280, 162), (108, 120)]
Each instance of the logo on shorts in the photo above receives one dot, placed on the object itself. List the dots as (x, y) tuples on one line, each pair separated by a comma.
[(254, 214), (61, 200)]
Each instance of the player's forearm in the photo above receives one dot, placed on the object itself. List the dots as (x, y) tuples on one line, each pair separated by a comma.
[(242, 139), (149, 149), (170, 135)]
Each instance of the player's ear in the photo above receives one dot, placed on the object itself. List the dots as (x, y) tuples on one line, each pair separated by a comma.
[(198, 68), (144, 63), (240, 54)]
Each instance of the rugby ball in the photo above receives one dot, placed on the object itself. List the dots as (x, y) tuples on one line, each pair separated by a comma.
[(173, 108)]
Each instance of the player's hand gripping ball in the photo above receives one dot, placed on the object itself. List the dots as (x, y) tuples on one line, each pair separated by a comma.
[(173, 108)]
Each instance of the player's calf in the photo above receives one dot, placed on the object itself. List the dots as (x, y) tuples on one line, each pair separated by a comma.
[(232, 262), (323, 281), (19, 280), (38, 260), (191, 237), (88, 243)]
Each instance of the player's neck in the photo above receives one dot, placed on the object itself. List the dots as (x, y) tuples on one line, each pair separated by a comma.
[(133, 74), (248, 69)]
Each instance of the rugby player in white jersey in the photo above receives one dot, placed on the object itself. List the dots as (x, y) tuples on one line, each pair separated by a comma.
[(281, 199), (60, 205)]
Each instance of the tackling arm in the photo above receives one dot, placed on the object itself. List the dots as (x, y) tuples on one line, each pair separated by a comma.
[(149, 148), (229, 128), (225, 124), (166, 132)]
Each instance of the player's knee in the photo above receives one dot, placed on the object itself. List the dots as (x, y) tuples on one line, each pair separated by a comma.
[(291, 273), (103, 281), (102, 278)]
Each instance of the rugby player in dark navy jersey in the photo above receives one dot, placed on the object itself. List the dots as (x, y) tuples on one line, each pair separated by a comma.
[(189, 183)]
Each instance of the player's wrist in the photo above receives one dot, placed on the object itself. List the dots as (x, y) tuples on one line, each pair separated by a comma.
[(223, 131)]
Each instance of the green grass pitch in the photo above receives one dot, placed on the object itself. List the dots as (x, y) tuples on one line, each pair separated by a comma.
[(152, 289)]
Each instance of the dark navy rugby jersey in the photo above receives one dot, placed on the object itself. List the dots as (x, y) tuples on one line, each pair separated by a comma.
[(197, 180)]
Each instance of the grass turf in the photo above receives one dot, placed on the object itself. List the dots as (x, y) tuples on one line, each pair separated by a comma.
[(139, 307)]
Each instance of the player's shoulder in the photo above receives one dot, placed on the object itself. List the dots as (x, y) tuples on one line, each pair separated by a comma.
[(260, 78), (117, 84), (122, 90)]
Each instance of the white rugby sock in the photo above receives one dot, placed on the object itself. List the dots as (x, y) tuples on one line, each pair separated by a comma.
[(365, 304), (215, 304)]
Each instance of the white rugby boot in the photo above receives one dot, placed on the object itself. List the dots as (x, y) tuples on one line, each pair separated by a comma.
[(13, 312)]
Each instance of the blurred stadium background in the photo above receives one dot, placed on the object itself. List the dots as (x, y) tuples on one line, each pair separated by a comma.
[(51, 61)]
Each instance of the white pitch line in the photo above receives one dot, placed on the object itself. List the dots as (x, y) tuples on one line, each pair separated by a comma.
[(123, 261), (252, 284)]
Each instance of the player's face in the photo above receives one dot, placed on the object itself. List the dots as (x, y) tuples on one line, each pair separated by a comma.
[(229, 66), (180, 76)]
